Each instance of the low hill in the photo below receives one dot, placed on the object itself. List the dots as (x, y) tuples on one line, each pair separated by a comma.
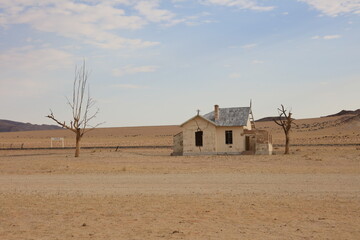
[(339, 114), (266, 119), (12, 126), (345, 112)]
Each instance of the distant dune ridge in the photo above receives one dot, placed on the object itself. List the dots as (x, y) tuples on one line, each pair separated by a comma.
[(12, 126), (345, 112), (352, 119), (266, 119), (356, 114)]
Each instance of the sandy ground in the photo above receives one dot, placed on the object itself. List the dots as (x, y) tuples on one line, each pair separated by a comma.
[(183, 184), (313, 193), (125, 136), (329, 130)]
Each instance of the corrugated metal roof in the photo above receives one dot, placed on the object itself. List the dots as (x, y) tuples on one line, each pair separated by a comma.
[(237, 116)]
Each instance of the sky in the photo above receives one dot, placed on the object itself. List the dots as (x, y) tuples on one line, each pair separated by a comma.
[(157, 62)]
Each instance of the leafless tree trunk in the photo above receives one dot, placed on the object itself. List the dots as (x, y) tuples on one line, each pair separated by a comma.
[(81, 105), (285, 121)]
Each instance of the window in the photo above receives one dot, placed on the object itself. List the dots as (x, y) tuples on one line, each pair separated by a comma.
[(228, 137), (199, 138)]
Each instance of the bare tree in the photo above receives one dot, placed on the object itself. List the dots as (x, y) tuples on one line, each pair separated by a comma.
[(81, 105), (285, 121)]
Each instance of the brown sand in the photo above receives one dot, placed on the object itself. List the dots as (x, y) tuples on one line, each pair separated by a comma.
[(329, 130), (314, 193)]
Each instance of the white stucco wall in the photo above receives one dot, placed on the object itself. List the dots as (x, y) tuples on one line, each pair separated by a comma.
[(213, 138), (178, 144), (209, 137), (238, 145)]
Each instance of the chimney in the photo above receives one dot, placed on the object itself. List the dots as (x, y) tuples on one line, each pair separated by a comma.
[(216, 112)]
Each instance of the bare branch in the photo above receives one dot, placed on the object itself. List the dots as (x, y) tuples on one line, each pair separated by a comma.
[(81, 105), (92, 128), (278, 123), (62, 124), (285, 121)]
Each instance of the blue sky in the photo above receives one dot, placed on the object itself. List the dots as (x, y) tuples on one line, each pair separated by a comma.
[(156, 62)]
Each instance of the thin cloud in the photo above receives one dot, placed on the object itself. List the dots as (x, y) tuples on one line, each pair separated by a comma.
[(127, 86), (97, 22), (150, 9), (152, 12), (29, 59), (196, 20), (241, 4), (90, 23), (249, 46), (257, 62), (235, 75), (334, 8), (27, 71), (129, 69), (329, 37), (326, 37)]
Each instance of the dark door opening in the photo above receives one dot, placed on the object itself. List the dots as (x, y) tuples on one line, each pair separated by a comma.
[(199, 138), (247, 143)]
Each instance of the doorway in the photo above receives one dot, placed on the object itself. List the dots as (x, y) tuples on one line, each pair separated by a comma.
[(247, 143)]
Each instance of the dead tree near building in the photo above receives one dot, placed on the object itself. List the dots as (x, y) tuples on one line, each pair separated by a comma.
[(81, 106), (285, 121)]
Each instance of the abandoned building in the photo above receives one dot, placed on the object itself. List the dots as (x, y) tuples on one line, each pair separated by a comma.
[(222, 131)]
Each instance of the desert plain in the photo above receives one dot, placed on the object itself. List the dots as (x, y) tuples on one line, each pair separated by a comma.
[(144, 193)]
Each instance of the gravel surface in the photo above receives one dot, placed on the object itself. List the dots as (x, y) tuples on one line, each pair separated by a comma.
[(307, 184)]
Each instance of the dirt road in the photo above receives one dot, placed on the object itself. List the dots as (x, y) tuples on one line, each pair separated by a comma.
[(183, 183), (312, 194)]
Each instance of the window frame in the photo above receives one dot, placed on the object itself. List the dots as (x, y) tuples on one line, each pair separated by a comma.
[(229, 137), (199, 138)]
